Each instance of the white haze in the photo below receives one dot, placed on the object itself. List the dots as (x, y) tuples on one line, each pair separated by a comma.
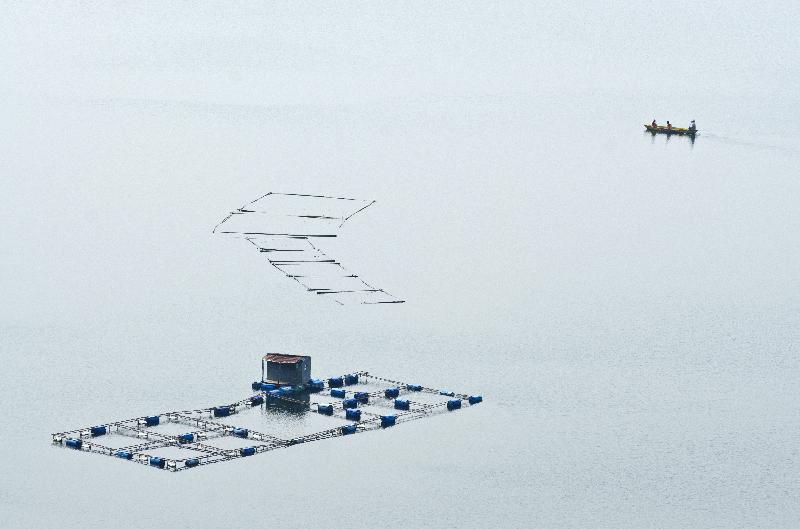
[(627, 305)]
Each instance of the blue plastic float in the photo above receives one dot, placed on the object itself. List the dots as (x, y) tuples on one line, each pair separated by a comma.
[(97, 431), (349, 429), (222, 411)]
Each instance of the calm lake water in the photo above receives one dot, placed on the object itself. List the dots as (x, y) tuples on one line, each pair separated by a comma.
[(628, 305)]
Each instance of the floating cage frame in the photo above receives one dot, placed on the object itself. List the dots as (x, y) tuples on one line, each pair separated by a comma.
[(361, 411), (287, 227)]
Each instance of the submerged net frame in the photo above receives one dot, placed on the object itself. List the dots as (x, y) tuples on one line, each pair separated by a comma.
[(201, 428), (282, 226)]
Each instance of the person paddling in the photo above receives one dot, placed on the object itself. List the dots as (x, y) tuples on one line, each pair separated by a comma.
[(654, 124)]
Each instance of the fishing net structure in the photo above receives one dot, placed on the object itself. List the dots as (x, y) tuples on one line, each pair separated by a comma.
[(270, 418), (288, 230)]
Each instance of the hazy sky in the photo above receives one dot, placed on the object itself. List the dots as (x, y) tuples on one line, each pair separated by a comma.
[(310, 53)]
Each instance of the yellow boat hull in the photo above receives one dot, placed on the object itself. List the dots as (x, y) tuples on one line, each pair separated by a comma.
[(674, 130)]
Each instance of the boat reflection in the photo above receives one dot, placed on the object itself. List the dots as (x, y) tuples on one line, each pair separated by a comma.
[(668, 137)]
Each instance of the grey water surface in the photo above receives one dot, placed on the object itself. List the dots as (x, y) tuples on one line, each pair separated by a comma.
[(628, 305)]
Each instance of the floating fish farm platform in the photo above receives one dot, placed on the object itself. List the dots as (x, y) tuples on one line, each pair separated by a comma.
[(341, 405)]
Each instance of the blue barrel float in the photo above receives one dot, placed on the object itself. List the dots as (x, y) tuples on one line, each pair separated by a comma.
[(256, 386), (266, 386), (351, 379), (414, 387), (362, 397), (401, 404), (240, 432), (388, 420), (338, 393), (335, 382), (73, 443), (349, 429), (191, 462), (350, 403), (247, 451), (258, 400), (123, 454), (151, 420), (453, 404), (315, 385), (392, 393), (475, 399), (186, 438), (325, 409), (157, 462), (352, 414), (446, 393), (96, 431), (222, 411)]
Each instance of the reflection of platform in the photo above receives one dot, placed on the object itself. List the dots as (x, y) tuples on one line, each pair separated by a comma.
[(266, 420)]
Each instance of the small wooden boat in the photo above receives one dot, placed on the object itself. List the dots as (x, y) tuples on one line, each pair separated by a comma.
[(674, 130)]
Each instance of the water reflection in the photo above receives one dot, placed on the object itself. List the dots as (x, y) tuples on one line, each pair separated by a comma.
[(668, 137), (298, 404)]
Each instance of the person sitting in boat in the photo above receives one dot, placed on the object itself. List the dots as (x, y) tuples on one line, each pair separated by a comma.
[(669, 125), (654, 124), (693, 127)]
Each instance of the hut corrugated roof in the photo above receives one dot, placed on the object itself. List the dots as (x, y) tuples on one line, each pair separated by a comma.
[(282, 358)]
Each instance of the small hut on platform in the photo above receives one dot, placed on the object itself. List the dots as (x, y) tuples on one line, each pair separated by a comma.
[(285, 370)]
